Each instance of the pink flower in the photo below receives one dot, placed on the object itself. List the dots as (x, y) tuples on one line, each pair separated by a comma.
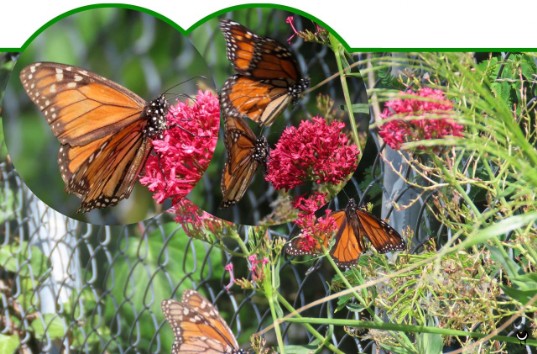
[(310, 204), (291, 21), (181, 157), (315, 230), (229, 268), (316, 151), (256, 266), (195, 222), (312, 228), (435, 105)]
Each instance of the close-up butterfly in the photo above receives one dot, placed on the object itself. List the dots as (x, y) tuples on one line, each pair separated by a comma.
[(245, 153), (94, 113), (198, 327), (353, 225), (268, 76), (103, 128)]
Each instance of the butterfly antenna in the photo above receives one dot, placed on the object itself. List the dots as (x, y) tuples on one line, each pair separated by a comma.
[(184, 82), (332, 77)]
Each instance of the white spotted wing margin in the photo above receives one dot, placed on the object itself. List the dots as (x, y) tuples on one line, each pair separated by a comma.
[(198, 327)]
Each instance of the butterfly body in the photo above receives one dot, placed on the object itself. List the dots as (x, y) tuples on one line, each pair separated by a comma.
[(268, 78), (353, 224), (104, 130), (198, 327), (245, 153)]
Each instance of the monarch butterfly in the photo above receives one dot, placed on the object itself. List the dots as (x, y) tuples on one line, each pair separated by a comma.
[(353, 223), (268, 77), (198, 327), (245, 152), (103, 128)]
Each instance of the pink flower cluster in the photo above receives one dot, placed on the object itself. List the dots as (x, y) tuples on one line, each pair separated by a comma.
[(310, 204), (181, 157), (315, 151), (196, 222), (312, 228), (428, 102), (256, 266)]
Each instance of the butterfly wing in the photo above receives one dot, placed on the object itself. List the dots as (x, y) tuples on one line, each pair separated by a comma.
[(382, 236), (299, 246), (261, 57), (348, 245), (269, 78), (103, 129), (259, 101), (197, 326), (79, 106), (83, 168), (245, 152)]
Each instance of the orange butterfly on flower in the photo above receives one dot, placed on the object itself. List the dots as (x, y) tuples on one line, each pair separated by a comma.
[(353, 224), (198, 327), (268, 77), (103, 128)]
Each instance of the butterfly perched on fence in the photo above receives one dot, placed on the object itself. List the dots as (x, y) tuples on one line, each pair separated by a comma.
[(198, 327), (104, 129), (245, 153), (268, 77), (353, 225)]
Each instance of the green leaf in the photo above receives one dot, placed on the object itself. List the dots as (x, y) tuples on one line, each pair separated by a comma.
[(522, 296), (14, 258), (51, 324), (429, 343), (501, 227), (360, 108), (524, 287), (9, 344), (511, 267), (299, 349), (526, 281), (355, 307), (7, 201)]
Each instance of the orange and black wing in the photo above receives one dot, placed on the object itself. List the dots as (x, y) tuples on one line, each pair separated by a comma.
[(103, 129), (259, 101), (268, 75), (348, 244), (381, 235), (245, 152), (80, 106), (198, 327), (263, 58), (87, 173)]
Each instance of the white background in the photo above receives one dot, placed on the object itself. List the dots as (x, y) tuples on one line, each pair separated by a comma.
[(371, 24)]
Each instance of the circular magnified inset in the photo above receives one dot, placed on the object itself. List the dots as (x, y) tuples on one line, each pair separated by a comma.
[(294, 116), (102, 100)]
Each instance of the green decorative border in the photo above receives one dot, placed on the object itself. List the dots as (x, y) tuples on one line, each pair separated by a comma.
[(248, 6)]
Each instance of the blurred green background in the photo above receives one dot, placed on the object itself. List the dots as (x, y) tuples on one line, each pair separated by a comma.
[(145, 54)]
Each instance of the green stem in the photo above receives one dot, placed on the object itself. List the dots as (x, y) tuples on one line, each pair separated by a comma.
[(337, 48), (272, 297), (310, 328), (355, 293), (404, 328)]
